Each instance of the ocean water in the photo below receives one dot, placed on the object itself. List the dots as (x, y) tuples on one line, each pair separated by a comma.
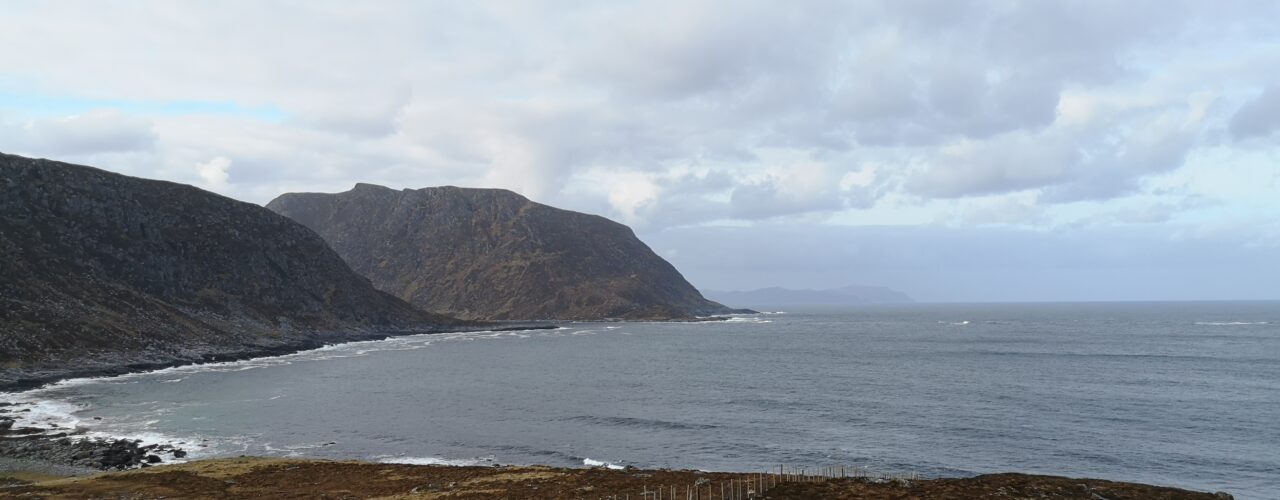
[(1181, 394)]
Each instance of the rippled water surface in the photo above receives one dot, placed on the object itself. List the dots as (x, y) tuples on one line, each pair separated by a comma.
[(1183, 394)]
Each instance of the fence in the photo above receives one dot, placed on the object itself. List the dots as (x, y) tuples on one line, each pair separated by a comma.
[(756, 485)]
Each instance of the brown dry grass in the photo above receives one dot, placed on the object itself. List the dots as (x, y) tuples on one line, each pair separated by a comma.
[(288, 478)]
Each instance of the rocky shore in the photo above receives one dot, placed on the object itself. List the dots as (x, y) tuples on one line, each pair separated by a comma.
[(57, 448), (296, 478), (81, 452)]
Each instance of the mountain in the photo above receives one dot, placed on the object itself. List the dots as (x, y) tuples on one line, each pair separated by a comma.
[(104, 273), (776, 296), (493, 254)]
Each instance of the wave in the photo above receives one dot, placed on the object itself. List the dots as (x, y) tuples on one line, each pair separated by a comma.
[(57, 417), (452, 462), (746, 319), (51, 415), (1232, 323), (596, 463)]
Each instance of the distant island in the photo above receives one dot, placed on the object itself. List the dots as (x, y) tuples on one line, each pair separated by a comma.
[(778, 296)]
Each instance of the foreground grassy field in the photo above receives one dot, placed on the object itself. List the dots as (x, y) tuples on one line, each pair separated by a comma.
[(288, 478)]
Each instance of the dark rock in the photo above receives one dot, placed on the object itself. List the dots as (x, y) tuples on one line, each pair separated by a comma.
[(493, 254), (104, 273), (179, 453), (152, 459)]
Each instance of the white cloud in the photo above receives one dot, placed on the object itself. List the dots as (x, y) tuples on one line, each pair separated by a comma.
[(664, 114), (630, 193), (1105, 156), (214, 172)]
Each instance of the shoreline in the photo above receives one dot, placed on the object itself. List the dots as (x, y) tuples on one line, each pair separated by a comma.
[(39, 382), (51, 448), (47, 468), (46, 446), (251, 477), (24, 384)]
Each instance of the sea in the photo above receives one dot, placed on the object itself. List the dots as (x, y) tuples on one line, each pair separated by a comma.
[(1181, 394)]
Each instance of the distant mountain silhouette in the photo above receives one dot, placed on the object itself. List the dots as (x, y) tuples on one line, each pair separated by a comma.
[(493, 254), (777, 296), (105, 273)]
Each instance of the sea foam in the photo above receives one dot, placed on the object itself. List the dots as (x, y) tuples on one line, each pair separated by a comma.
[(596, 463), (454, 462)]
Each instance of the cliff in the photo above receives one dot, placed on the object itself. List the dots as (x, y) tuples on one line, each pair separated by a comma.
[(104, 273), (493, 254)]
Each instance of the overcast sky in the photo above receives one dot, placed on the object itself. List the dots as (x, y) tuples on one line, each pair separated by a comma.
[(993, 150)]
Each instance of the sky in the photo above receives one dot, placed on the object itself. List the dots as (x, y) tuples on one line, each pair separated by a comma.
[(957, 151)]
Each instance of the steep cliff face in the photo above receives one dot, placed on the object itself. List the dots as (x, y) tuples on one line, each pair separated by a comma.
[(493, 254), (100, 272)]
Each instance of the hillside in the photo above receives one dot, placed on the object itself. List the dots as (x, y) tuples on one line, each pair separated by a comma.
[(104, 273), (493, 254)]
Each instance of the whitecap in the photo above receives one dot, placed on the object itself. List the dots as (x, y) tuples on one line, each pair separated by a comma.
[(44, 414), (746, 319), (454, 462), (596, 463)]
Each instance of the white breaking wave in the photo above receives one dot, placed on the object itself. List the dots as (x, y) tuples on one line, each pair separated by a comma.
[(44, 414), (454, 462), (55, 416), (596, 463), (1232, 323), (747, 319)]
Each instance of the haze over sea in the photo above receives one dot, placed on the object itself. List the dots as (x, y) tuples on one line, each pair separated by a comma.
[(1179, 394)]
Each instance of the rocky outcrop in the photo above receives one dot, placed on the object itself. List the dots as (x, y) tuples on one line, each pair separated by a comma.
[(104, 273), (493, 254)]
